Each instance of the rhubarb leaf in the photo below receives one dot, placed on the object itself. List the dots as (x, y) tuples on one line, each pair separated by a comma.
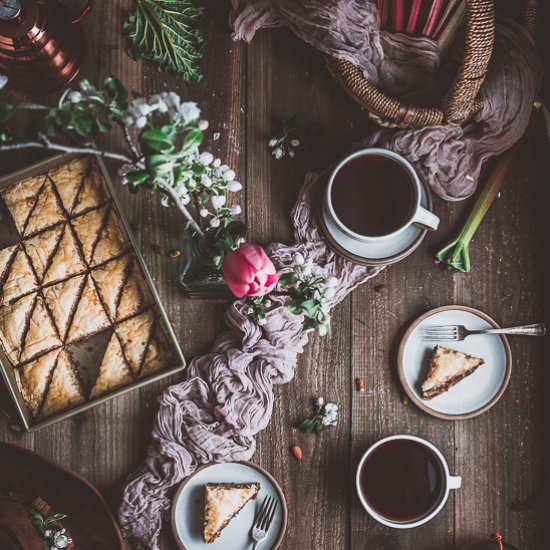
[(167, 32)]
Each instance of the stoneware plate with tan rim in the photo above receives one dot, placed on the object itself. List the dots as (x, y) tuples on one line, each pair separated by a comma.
[(474, 394), (188, 508)]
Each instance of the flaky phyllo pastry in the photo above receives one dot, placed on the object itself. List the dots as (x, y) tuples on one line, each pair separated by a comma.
[(72, 279)]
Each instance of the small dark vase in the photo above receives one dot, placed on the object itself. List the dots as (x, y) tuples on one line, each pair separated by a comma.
[(200, 277)]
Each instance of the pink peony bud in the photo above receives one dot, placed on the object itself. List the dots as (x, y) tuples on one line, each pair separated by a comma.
[(248, 271)]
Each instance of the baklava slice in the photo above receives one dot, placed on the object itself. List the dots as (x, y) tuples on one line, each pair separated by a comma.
[(42, 248), (67, 179), (6, 255), (62, 300), (222, 502), (159, 354), (92, 191), (110, 280), (113, 371), (41, 335), (113, 239), (20, 199), (34, 378), (64, 391), (447, 368), (89, 316), (47, 211), (135, 334), (14, 322), (88, 229), (19, 279), (66, 261)]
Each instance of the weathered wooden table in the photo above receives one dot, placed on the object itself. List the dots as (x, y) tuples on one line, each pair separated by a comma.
[(503, 455)]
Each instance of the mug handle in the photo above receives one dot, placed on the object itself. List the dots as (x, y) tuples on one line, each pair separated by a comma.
[(87, 9), (454, 482), (426, 219)]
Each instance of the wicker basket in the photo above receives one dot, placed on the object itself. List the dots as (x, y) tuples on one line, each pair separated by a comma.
[(460, 102)]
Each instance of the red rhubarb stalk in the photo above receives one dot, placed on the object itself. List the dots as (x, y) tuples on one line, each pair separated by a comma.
[(398, 15), (435, 10), (413, 16), (383, 13)]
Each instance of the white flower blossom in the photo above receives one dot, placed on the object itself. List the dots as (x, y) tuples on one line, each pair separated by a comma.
[(262, 321), (216, 163), (234, 186), (141, 121), (75, 97), (320, 401), (189, 111), (329, 292), (214, 222), (203, 212), (298, 259), (218, 201), (206, 180), (291, 154), (229, 175), (273, 142), (267, 303), (331, 282), (236, 209), (295, 142), (206, 158), (203, 125), (278, 153)]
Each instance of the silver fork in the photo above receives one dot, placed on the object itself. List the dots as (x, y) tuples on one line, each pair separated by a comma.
[(456, 333), (263, 519)]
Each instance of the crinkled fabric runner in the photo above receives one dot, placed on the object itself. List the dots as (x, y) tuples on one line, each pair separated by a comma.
[(227, 397), (449, 158)]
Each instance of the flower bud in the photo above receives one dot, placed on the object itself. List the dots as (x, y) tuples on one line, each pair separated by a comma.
[(273, 142), (298, 259), (320, 401), (203, 125), (278, 153), (229, 175), (206, 158), (234, 186), (236, 209), (203, 212), (214, 222)]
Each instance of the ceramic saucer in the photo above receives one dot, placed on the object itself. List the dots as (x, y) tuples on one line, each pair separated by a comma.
[(188, 508), (475, 394), (390, 251)]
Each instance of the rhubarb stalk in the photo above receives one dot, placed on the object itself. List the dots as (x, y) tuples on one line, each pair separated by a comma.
[(431, 22), (445, 39), (446, 16), (413, 16), (398, 15), (456, 254), (383, 13)]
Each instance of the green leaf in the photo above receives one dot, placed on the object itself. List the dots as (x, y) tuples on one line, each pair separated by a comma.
[(55, 517), (6, 112), (166, 32), (307, 426), (156, 140), (310, 307), (319, 427), (288, 278), (192, 140)]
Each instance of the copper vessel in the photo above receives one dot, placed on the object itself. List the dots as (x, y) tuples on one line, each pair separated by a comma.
[(41, 45)]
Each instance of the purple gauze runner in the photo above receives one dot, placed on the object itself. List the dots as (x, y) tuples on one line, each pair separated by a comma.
[(227, 396)]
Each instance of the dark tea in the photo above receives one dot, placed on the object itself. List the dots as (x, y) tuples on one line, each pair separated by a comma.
[(402, 480), (373, 195)]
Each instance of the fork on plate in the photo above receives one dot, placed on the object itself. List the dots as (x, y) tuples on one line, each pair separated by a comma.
[(263, 520), (457, 333)]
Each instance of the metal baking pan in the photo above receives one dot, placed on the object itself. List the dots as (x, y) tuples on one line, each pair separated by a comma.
[(7, 237)]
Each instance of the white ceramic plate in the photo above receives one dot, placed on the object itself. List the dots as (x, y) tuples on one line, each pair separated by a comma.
[(188, 506), (378, 250), (477, 392)]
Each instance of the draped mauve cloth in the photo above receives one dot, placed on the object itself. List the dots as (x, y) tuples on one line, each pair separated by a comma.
[(227, 395)]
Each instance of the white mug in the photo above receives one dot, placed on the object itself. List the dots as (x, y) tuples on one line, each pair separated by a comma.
[(419, 215), (448, 482)]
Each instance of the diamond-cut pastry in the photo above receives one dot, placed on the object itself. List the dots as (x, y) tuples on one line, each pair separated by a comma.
[(6, 254), (62, 300), (64, 391), (19, 279), (135, 295), (20, 199), (68, 178), (447, 368), (41, 335), (222, 502), (113, 372), (92, 191), (87, 228), (113, 239), (135, 334), (89, 316), (41, 249), (14, 320), (159, 352), (46, 212), (110, 280), (34, 378), (66, 261)]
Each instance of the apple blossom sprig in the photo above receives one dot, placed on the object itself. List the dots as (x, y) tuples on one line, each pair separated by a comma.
[(163, 135), (326, 414), (286, 142), (55, 537), (310, 289)]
